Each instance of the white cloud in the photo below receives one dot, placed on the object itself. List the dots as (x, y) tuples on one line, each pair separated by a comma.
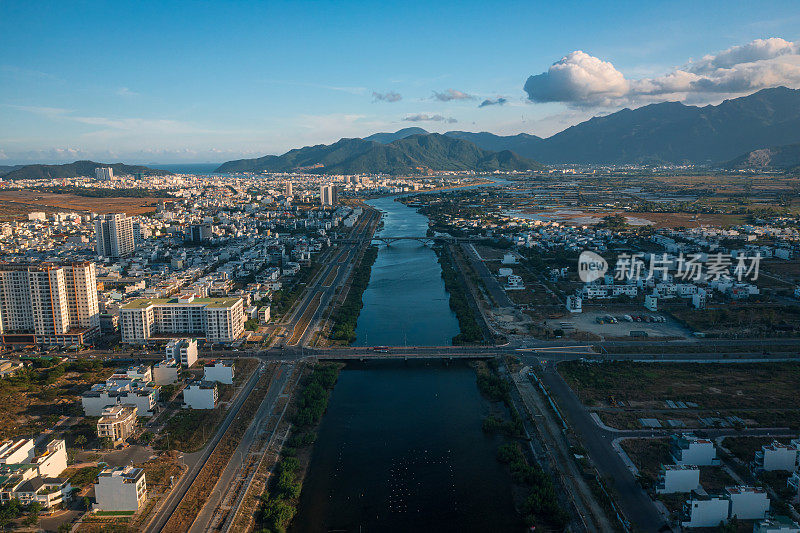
[(424, 117), (124, 91), (582, 80), (452, 94)]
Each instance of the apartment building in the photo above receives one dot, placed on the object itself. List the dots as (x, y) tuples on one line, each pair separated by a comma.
[(114, 234), (117, 423), (49, 303), (120, 489), (215, 319), (328, 195)]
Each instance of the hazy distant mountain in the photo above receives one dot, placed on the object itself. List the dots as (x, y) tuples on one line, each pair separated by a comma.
[(386, 138), (778, 158), (665, 132), (77, 169), (414, 154), (5, 169), (522, 144)]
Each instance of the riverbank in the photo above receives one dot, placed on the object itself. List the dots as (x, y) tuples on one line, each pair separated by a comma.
[(470, 330), (345, 316), (281, 498)]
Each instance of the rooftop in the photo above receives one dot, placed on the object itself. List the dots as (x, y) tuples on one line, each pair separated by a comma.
[(143, 303)]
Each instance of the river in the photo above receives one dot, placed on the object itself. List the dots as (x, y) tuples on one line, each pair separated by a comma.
[(401, 446)]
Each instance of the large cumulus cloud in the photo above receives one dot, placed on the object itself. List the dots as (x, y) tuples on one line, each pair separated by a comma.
[(582, 80)]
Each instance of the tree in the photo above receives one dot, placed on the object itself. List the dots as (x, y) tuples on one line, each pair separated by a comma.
[(80, 440)]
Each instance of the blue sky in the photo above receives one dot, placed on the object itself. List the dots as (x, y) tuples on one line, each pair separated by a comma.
[(211, 81)]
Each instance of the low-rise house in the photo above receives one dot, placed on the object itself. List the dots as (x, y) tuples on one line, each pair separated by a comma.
[(120, 489), (200, 395), (264, 314), (687, 449), (678, 478), (793, 484), (9, 368), (219, 371), (117, 423), (165, 372), (747, 503), (114, 392), (183, 351), (704, 510), (29, 477), (776, 456)]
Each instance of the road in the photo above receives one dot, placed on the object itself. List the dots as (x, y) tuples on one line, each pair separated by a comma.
[(179, 491), (236, 461)]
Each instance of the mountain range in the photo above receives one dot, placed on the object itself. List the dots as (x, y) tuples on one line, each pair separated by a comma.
[(416, 153), (75, 170), (668, 132)]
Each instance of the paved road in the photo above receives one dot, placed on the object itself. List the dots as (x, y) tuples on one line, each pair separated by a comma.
[(492, 285), (237, 459), (635, 503), (179, 491)]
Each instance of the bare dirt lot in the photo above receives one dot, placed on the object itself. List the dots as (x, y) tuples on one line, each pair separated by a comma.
[(17, 203)]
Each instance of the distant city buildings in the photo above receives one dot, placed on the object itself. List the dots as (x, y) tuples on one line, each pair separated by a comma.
[(328, 195), (114, 234), (287, 190), (104, 173), (215, 319), (49, 303)]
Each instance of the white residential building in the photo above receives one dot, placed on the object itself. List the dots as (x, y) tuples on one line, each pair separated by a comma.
[(120, 489), (776, 456), (651, 302), (30, 478), (120, 391), (678, 478), (165, 372), (200, 395), (687, 449), (216, 319), (182, 351), (117, 423), (219, 371), (48, 303), (264, 314), (114, 234), (747, 503), (705, 511)]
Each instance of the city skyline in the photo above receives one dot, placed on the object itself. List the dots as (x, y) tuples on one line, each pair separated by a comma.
[(186, 83)]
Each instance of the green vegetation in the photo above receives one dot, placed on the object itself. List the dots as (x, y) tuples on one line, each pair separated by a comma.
[(541, 506), (95, 192), (279, 503), (188, 429), (345, 317), (251, 325), (470, 330), (313, 400)]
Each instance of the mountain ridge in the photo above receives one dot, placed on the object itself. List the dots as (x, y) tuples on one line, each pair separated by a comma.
[(418, 153), (76, 169)]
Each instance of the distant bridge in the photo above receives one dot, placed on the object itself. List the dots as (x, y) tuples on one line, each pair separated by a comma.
[(389, 239)]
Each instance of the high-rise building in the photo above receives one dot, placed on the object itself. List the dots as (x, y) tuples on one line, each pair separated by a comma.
[(114, 232), (104, 173), (215, 319), (287, 189), (197, 233), (48, 304), (328, 195)]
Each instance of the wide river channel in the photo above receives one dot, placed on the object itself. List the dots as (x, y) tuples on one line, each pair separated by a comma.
[(401, 447)]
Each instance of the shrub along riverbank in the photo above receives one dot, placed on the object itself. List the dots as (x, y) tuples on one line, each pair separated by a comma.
[(541, 506), (457, 289), (279, 503), (345, 317)]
